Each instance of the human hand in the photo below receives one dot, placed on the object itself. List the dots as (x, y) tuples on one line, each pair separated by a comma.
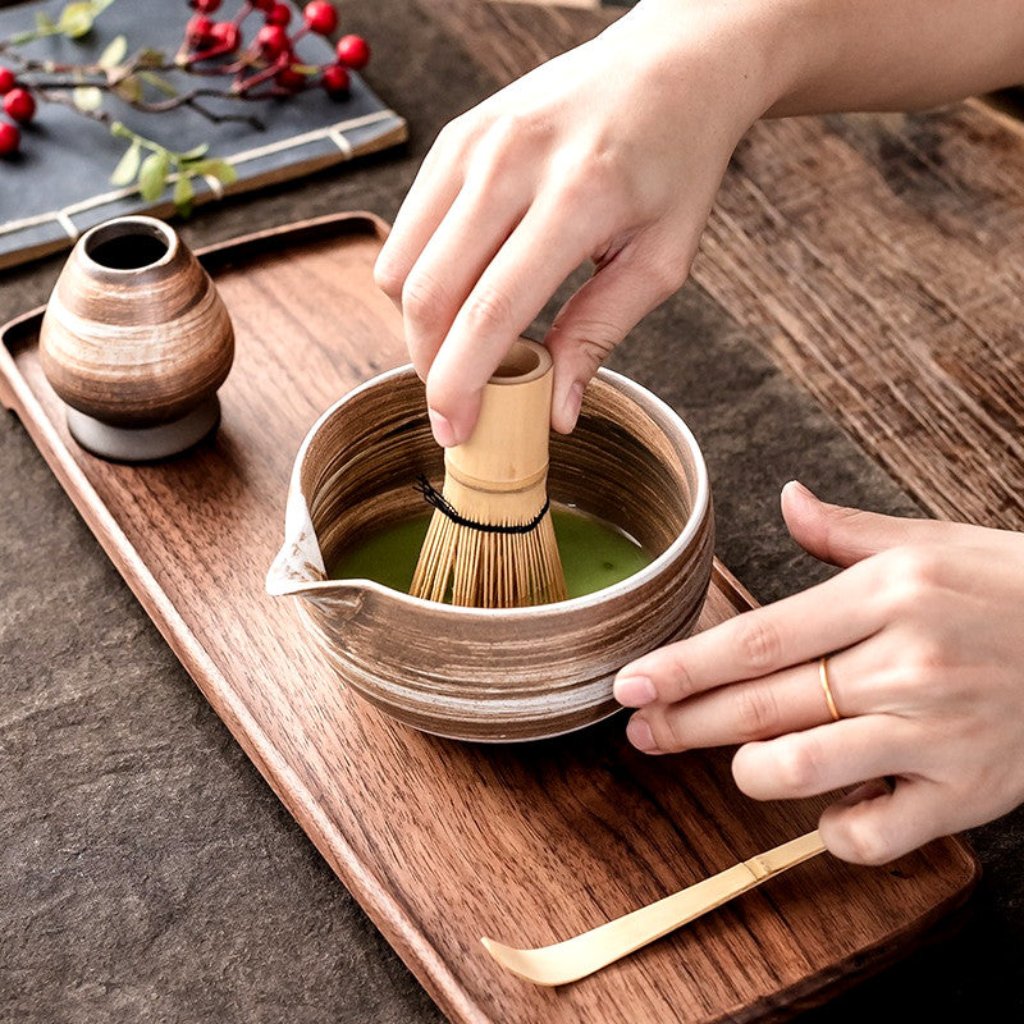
[(928, 625), (611, 152)]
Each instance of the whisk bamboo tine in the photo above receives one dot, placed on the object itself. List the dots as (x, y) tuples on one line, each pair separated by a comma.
[(490, 542), (576, 958)]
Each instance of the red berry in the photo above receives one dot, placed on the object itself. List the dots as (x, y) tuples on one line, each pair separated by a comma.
[(335, 80), (10, 138), (273, 41), (7, 80), (205, 6), (321, 17), (262, 5), (353, 51), (20, 106), (199, 29), (225, 34), (290, 79), (279, 14)]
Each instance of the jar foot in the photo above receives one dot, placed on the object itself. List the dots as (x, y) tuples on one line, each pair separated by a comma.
[(144, 444)]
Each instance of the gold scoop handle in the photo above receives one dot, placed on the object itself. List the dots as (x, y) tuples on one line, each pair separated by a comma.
[(578, 957)]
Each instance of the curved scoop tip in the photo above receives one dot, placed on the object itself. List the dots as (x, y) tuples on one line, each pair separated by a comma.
[(524, 963)]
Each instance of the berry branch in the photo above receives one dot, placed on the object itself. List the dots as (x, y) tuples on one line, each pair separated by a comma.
[(64, 91), (265, 67)]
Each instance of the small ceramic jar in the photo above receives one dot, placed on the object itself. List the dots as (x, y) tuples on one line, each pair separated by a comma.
[(136, 341)]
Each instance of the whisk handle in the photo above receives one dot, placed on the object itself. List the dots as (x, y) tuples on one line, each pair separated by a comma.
[(508, 450)]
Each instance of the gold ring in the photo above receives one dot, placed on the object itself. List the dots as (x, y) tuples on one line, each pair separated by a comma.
[(827, 689)]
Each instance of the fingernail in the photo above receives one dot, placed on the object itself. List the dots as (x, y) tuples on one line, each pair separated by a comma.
[(444, 433), (638, 732), (634, 691), (795, 485), (573, 403)]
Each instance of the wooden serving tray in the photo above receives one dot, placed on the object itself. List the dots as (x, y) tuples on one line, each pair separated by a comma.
[(442, 842)]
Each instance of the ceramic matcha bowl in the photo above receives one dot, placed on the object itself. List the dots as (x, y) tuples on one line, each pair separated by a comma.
[(495, 675)]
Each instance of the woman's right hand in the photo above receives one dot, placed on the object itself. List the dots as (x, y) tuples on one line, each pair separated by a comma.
[(612, 152)]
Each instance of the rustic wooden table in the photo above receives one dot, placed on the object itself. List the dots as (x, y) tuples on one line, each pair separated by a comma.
[(853, 319)]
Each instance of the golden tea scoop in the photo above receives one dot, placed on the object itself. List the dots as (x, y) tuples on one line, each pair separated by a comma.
[(568, 961)]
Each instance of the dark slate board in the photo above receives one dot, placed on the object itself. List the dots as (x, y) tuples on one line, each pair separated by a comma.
[(48, 190)]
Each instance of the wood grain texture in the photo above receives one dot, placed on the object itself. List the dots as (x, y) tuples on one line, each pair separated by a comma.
[(442, 842), (508, 39), (881, 262), (878, 258)]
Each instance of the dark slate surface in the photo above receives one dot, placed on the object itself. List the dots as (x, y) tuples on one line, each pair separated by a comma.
[(148, 874), (59, 133)]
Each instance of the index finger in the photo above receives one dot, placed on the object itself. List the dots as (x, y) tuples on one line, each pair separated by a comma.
[(547, 245), (434, 189), (826, 618)]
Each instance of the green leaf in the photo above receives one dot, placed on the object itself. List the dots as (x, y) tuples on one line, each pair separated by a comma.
[(153, 175), (183, 191), (196, 152), (158, 82), (87, 98), (99, 6), (114, 52), (121, 131), (219, 169), (76, 19), (128, 166), (149, 58), (44, 27), (129, 89)]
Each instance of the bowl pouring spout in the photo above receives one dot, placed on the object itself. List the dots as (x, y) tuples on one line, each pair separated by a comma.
[(298, 568)]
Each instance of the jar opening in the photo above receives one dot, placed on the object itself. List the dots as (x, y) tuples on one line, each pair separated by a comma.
[(128, 244)]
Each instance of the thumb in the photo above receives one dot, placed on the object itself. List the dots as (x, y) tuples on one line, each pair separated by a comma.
[(843, 536), (597, 317), (874, 826)]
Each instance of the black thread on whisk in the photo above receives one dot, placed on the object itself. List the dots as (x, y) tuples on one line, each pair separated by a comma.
[(435, 498)]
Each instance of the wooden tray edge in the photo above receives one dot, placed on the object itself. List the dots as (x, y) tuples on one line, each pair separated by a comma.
[(815, 990), (400, 930), (387, 913)]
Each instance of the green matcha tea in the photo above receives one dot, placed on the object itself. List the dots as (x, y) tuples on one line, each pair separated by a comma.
[(594, 553)]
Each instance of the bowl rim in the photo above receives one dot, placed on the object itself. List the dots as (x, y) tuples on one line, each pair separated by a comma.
[(643, 397)]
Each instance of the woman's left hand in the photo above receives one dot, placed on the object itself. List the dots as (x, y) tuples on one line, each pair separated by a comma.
[(924, 633)]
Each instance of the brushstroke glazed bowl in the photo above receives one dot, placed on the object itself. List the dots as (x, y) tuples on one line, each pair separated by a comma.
[(495, 675)]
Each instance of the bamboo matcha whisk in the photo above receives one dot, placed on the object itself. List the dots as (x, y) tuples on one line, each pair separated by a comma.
[(490, 543)]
